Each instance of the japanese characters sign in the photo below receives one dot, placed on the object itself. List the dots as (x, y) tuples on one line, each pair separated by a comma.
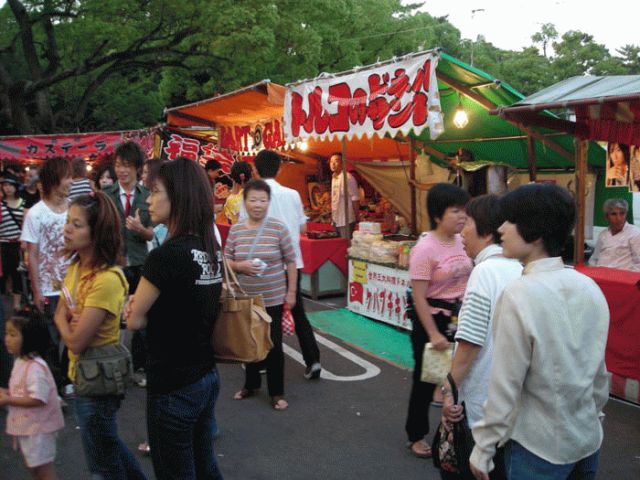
[(381, 294), (395, 97), (175, 145), (46, 146)]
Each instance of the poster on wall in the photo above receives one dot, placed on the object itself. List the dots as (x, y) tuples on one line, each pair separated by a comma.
[(379, 292), (623, 166)]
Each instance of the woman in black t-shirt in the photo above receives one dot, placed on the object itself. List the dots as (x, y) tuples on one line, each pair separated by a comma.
[(177, 301)]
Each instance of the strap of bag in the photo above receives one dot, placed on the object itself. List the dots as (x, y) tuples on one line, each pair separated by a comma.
[(454, 388), (13, 217), (255, 239), (230, 278)]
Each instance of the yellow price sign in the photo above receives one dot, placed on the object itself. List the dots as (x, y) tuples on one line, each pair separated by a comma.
[(359, 271)]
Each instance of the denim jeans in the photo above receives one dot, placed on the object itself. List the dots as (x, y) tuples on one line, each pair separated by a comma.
[(108, 458), (181, 427), (521, 464)]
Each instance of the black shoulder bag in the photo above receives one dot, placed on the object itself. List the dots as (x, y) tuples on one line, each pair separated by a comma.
[(452, 443)]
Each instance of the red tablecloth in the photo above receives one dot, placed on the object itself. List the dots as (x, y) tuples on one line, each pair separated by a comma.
[(623, 296), (316, 252), (319, 227)]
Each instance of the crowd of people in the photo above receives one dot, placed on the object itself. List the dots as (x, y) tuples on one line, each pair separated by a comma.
[(530, 334), (138, 248)]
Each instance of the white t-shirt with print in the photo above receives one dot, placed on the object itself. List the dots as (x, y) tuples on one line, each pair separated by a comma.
[(45, 228)]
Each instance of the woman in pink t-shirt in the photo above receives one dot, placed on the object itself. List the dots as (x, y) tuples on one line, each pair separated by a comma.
[(439, 270)]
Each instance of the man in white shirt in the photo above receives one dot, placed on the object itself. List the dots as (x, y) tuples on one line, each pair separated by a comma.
[(43, 233), (619, 245), (548, 383), (286, 206), (343, 221)]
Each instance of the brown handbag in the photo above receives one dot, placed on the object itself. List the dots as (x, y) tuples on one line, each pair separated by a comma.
[(242, 332)]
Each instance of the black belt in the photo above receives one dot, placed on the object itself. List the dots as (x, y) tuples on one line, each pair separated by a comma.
[(453, 307)]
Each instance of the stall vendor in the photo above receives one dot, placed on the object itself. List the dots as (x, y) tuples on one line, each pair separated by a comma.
[(343, 221), (619, 245)]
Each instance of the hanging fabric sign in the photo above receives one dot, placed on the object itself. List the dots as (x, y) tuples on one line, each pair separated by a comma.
[(393, 98), (175, 145)]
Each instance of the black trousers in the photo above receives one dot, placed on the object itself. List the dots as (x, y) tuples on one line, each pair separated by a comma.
[(274, 363), (139, 337), (417, 424), (10, 252), (306, 339)]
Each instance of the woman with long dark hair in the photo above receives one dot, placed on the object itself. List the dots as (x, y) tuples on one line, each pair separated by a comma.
[(177, 301), (90, 317)]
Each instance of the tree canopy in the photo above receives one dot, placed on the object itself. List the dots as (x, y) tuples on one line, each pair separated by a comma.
[(91, 65)]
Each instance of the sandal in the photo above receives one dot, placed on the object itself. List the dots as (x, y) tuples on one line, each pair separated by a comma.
[(245, 393), (420, 449), (279, 403)]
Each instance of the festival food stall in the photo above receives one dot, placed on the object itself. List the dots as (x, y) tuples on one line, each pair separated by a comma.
[(415, 105), (239, 124), (606, 109)]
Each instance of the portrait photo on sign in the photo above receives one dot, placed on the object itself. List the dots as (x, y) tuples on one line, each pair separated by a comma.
[(618, 165), (634, 154)]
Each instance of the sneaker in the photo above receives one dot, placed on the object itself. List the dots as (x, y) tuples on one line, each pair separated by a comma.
[(313, 372)]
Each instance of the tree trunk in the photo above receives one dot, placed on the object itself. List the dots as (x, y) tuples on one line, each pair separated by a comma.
[(19, 116)]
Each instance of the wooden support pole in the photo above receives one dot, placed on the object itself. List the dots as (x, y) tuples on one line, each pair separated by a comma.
[(581, 199), (412, 185), (531, 159)]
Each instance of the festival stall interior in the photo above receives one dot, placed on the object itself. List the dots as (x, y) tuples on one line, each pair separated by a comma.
[(607, 109)]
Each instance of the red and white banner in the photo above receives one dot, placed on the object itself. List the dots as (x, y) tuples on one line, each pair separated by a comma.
[(45, 146), (41, 147), (399, 96)]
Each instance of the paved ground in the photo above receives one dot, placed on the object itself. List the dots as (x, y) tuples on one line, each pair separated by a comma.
[(333, 429)]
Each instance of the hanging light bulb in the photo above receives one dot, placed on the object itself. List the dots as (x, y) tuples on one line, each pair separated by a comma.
[(460, 119), (303, 145)]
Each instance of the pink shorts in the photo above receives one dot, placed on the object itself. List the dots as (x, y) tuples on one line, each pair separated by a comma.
[(38, 449)]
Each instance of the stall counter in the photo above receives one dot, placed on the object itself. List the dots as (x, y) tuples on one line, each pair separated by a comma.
[(379, 291), (621, 289)]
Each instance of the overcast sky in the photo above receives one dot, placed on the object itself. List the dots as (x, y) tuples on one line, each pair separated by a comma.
[(510, 24)]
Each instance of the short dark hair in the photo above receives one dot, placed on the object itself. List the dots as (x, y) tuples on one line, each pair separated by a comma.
[(35, 334), (191, 199), (212, 165), (52, 172), (442, 196), (78, 167), (257, 185), (487, 215), (105, 167), (240, 172), (130, 153), (541, 211), (153, 168), (267, 163), (104, 225)]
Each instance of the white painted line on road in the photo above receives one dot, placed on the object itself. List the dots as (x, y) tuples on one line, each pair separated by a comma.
[(370, 369)]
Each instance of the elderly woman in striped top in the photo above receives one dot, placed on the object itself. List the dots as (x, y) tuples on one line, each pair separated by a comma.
[(260, 249)]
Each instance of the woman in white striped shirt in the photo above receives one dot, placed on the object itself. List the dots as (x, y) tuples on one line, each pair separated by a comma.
[(10, 227)]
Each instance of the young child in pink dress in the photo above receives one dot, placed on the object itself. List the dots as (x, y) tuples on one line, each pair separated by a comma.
[(35, 414)]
